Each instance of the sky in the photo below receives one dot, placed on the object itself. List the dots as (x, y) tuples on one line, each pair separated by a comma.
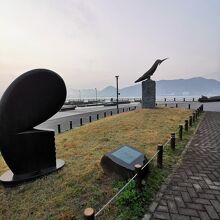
[(88, 42)]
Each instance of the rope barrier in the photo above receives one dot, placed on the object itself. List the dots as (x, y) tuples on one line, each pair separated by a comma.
[(122, 189), (115, 195)]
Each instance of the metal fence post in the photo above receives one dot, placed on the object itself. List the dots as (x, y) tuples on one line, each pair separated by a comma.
[(90, 118), (160, 156), (71, 125), (123, 110), (89, 214), (176, 105), (184, 99), (174, 99), (180, 132), (97, 116), (104, 114), (186, 125), (165, 99), (59, 129), (173, 141), (81, 121), (138, 184), (111, 113), (189, 106), (166, 105)]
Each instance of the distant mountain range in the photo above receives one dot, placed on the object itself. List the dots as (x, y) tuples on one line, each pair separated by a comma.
[(181, 87)]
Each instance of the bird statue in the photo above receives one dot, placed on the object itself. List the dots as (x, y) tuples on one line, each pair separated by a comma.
[(151, 71)]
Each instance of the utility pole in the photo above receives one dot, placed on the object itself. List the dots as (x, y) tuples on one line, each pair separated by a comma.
[(117, 92)]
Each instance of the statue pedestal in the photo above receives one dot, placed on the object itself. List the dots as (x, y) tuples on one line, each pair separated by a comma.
[(148, 94)]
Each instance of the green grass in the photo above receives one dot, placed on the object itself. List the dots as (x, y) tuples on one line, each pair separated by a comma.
[(82, 183)]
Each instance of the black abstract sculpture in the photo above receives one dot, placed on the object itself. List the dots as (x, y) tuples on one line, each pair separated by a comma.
[(31, 99), (151, 71)]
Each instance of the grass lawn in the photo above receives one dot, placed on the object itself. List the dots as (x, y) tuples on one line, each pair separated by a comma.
[(82, 183)]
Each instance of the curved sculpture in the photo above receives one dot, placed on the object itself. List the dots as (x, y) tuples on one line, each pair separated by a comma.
[(151, 71), (31, 99)]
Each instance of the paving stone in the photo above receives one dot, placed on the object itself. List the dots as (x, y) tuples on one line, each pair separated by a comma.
[(192, 192), (179, 217), (206, 196), (188, 212), (211, 211), (153, 206), (172, 206), (214, 187), (161, 215), (179, 201), (204, 216), (146, 217), (194, 206), (162, 208), (186, 197), (201, 201), (194, 218), (216, 204)]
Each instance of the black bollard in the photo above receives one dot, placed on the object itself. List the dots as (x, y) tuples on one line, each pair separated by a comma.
[(186, 125), (194, 117), (180, 132), (59, 129), (173, 141), (160, 156), (190, 121), (138, 179), (89, 214)]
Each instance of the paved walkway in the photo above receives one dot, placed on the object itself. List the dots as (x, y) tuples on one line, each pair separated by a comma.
[(193, 190)]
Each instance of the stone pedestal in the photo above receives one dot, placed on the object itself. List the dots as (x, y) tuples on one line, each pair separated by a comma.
[(148, 94)]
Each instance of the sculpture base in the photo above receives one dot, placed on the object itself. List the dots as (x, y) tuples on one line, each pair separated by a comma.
[(148, 94), (8, 179)]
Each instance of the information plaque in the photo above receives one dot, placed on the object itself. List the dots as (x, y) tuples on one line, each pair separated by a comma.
[(121, 161)]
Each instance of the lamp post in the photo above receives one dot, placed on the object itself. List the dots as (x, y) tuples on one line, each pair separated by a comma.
[(79, 95), (117, 93), (96, 95)]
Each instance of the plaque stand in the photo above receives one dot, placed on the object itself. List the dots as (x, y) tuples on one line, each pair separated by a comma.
[(148, 94)]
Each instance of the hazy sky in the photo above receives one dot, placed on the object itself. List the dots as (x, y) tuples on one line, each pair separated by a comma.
[(89, 42)]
